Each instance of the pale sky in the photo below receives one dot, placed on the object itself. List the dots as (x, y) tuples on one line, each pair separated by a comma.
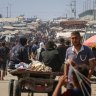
[(44, 9)]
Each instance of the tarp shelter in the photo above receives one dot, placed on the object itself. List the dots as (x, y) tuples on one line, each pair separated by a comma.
[(91, 41)]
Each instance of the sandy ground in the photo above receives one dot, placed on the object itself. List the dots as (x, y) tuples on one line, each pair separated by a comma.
[(4, 88)]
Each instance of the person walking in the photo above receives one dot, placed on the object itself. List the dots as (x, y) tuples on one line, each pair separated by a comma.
[(75, 90), (19, 53), (80, 57), (51, 57), (62, 51), (39, 51), (4, 53)]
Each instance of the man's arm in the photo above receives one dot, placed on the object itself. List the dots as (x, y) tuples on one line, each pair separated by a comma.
[(92, 62), (67, 65), (59, 85), (66, 69)]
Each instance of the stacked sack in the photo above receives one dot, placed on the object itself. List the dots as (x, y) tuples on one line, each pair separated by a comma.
[(38, 66)]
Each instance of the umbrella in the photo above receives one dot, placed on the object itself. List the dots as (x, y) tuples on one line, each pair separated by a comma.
[(91, 41)]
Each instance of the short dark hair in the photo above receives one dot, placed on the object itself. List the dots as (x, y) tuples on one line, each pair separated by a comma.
[(61, 40), (23, 40), (50, 44), (3, 43), (76, 33)]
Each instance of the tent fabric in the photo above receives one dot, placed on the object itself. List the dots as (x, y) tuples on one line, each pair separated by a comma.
[(91, 41)]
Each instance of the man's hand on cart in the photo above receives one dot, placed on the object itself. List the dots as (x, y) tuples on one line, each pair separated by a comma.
[(63, 80)]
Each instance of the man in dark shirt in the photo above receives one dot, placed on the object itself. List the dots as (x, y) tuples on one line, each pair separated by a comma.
[(62, 51), (51, 57), (34, 49), (19, 53), (4, 51)]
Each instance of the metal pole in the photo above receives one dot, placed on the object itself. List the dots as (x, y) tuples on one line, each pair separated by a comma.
[(7, 11), (93, 11), (10, 10), (75, 8), (73, 5), (94, 5)]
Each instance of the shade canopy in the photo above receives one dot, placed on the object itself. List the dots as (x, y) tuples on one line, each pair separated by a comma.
[(91, 41)]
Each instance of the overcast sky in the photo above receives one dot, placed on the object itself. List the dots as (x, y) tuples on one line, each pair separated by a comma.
[(44, 9)]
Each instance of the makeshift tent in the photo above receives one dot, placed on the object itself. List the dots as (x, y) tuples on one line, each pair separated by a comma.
[(91, 41)]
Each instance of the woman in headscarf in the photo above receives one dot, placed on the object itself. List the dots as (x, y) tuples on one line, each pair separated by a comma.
[(39, 51)]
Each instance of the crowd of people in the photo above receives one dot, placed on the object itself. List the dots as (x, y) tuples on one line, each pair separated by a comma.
[(71, 57)]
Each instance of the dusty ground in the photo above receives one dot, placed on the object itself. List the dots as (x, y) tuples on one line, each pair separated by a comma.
[(4, 88)]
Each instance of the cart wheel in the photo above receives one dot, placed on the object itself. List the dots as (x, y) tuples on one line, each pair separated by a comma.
[(11, 85), (17, 89), (50, 93), (32, 94)]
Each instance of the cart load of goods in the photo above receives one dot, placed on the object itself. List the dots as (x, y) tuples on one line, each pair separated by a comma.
[(34, 66), (38, 66)]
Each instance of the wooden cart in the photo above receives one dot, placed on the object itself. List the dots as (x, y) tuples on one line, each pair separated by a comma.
[(32, 82)]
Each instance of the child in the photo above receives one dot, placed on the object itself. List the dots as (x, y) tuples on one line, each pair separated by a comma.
[(74, 90)]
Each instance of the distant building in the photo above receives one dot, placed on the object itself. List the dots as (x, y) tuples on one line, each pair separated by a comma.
[(88, 15), (73, 24), (17, 19), (59, 19), (8, 19)]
